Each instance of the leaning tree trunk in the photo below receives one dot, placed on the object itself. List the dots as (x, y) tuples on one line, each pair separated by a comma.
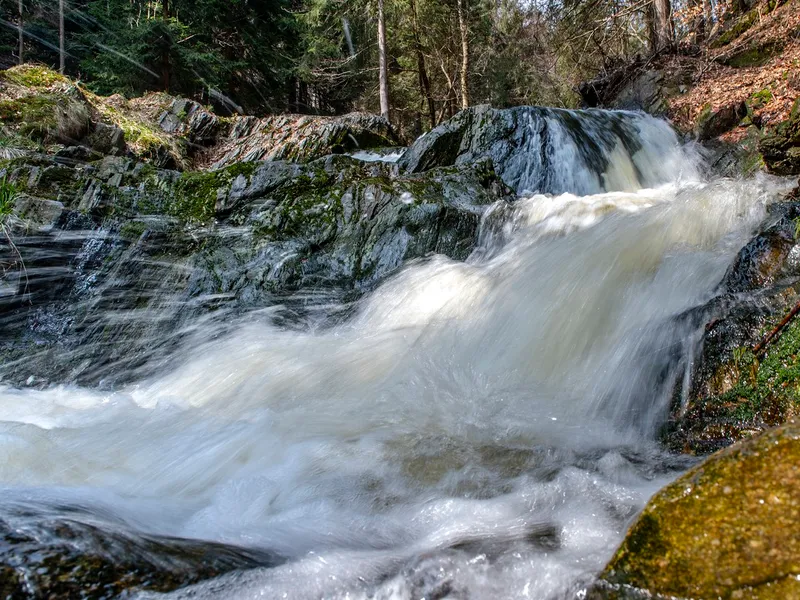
[(462, 25), (61, 53), (661, 27), (21, 35), (383, 73)]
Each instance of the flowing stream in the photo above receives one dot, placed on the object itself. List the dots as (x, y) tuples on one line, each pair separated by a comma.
[(479, 429)]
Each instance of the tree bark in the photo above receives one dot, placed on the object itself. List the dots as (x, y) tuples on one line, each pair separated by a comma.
[(662, 30), (61, 53), (424, 81), (21, 35), (166, 67), (383, 73), (464, 29)]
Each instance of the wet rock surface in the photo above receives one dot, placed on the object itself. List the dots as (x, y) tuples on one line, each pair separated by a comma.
[(524, 145), (103, 247), (735, 392), (726, 529), (45, 556)]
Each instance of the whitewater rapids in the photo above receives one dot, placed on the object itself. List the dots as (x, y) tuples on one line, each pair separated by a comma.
[(479, 429)]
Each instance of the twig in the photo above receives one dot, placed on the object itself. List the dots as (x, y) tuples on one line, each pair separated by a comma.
[(771, 335)]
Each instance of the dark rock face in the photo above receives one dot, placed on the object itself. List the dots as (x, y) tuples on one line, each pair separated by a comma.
[(526, 146), (735, 393), (53, 557), (110, 246), (726, 529), (781, 147)]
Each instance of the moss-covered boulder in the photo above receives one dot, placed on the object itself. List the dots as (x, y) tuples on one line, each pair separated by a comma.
[(729, 529), (781, 147), (713, 123)]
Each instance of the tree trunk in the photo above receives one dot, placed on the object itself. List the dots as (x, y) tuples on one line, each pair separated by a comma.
[(383, 73), (61, 53), (463, 27), (165, 62), (21, 35), (708, 18), (424, 81), (698, 26), (661, 27)]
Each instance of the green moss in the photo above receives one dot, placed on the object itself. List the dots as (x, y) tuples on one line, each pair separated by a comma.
[(33, 116), (741, 26), (195, 195), (766, 389), (132, 230), (35, 76), (759, 99), (754, 56)]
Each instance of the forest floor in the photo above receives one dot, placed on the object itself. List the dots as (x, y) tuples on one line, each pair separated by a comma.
[(756, 61)]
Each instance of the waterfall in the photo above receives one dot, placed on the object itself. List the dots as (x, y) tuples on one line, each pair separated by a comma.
[(483, 428)]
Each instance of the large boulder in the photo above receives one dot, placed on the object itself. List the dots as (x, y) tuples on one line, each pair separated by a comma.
[(729, 528)]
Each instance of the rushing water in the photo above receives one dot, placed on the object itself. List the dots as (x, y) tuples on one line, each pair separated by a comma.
[(482, 429)]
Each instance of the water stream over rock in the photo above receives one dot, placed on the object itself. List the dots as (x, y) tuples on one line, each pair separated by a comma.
[(471, 429)]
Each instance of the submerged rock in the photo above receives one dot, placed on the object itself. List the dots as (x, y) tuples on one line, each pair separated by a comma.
[(727, 529), (59, 558)]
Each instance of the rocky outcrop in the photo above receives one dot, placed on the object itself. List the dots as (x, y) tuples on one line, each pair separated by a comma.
[(726, 529), (43, 111), (296, 138), (119, 237), (301, 138), (781, 147)]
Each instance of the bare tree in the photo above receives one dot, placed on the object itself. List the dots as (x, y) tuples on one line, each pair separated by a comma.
[(662, 30), (21, 36), (464, 29), (424, 80), (166, 66), (383, 73), (61, 52)]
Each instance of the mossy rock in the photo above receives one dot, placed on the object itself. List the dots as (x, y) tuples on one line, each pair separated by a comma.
[(781, 146), (33, 76), (730, 528)]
